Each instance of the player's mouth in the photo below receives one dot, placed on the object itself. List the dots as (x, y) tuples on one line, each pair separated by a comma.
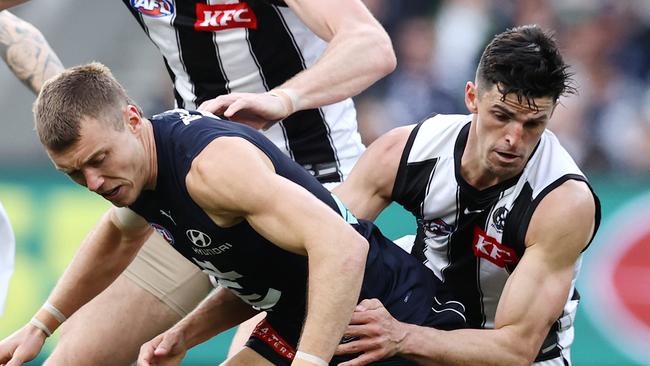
[(507, 157), (112, 194)]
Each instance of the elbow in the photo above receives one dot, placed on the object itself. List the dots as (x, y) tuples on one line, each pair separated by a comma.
[(379, 50), (386, 59), (357, 255)]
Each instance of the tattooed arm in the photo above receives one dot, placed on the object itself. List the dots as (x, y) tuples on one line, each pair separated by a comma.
[(26, 52)]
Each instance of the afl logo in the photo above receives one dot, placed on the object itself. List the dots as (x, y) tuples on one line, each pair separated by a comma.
[(154, 8), (163, 232), (499, 218), (198, 238)]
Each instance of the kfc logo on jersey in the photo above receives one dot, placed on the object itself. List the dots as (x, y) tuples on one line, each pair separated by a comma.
[(166, 234), (154, 8), (487, 247), (219, 17)]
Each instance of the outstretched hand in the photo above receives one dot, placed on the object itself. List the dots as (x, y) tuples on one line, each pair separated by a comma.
[(257, 110), (378, 335), (167, 349), (22, 346)]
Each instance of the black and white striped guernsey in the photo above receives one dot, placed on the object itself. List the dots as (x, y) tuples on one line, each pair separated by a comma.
[(473, 239), (215, 47)]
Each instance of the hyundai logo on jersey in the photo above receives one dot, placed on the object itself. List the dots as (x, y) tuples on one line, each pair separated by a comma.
[(154, 8), (198, 238)]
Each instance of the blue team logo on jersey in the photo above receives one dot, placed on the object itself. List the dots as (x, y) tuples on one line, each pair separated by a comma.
[(166, 234), (438, 227), (154, 8)]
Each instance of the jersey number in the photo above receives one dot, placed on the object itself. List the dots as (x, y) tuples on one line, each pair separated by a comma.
[(229, 281)]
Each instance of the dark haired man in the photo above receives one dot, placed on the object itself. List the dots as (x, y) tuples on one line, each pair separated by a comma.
[(288, 246), (503, 215)]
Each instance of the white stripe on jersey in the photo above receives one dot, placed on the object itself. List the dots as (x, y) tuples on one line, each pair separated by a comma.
[(163, 35)]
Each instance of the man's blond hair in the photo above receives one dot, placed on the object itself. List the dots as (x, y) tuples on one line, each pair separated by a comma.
[(80, 92)]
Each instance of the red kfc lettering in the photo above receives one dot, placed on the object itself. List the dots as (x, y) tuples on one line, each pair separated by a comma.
[(225, 16), (487, 247)]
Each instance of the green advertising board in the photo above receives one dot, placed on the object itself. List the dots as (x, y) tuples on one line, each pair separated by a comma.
[(50, 217)]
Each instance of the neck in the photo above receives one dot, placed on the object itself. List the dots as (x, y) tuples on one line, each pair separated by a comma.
[(149, 143)]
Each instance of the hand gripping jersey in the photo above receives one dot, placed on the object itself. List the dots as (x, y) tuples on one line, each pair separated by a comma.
[(259, 272), (472, 239), (218, 47)]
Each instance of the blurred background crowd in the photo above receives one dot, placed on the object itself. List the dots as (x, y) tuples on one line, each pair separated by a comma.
[(606, 127)]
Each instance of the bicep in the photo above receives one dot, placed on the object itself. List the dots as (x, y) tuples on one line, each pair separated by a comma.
[(327, 18), (247, 187), (535, 293)]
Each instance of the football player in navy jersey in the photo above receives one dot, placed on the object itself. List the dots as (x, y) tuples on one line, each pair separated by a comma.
[(287, 246), (503, 215)]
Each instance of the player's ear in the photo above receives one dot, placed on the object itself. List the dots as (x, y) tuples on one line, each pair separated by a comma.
[(132, 117), (471, 97)]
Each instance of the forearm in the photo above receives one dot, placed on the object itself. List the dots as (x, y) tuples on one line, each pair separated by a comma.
[(219, 312), (334, 286), (26, 52), (102, 256), (352, 62), (429, 346)]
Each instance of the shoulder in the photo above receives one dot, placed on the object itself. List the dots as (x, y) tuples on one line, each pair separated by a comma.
[(565, 218), (225, 169)]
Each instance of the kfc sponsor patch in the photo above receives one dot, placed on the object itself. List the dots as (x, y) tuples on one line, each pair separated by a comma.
[(487, 247), (226, 16)]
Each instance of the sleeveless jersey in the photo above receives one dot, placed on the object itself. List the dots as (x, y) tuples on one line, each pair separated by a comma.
[(473, 239), (259, 272), (216, 47)]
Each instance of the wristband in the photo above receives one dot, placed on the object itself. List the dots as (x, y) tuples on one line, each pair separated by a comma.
[(55, 312), (311, 358), (289, 99), (39, 324)]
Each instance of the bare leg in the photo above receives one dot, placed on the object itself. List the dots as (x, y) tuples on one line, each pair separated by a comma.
[(243, 333), (156, 291), (110, 329)]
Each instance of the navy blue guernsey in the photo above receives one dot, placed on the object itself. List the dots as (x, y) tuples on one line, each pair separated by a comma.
[(259, 272)]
